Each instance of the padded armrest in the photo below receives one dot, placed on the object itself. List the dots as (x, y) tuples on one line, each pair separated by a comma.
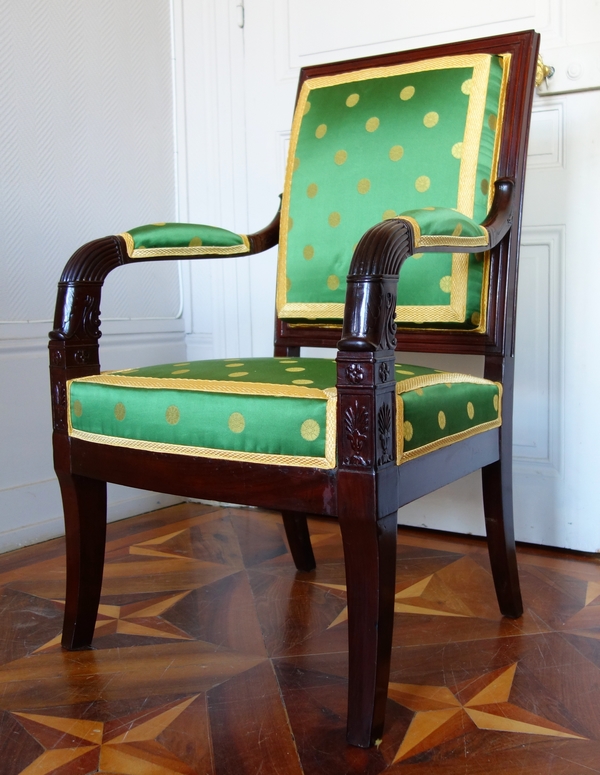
[(441, 229), (445, 226), (77, 312), (369, 317), (186, 240), (183, 239)]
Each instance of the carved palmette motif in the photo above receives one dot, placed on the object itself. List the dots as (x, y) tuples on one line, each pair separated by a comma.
[(384, 430), (80, 314), (59, 405), (388, 312), (90, 316), (356, 429)]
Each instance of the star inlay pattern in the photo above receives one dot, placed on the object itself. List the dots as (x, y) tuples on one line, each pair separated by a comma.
[(586, 621), (141, 618), (443, 714), (125, 746), (212, 655), (432, 595)]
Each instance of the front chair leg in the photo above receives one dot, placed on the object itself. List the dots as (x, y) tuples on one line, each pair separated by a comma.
[(296, 531), (498, 509), (370, 558), (84, 503)]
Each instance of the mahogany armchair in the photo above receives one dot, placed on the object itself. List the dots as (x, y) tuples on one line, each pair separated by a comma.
[(411, 161)]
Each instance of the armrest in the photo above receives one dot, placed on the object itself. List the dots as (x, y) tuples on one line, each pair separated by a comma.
[(443, 229), (191, 240), (77, 313), (369, 318)]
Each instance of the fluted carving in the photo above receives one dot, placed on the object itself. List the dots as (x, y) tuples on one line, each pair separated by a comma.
[(77, 312), (369, 323), (92, 262), (381, 250)]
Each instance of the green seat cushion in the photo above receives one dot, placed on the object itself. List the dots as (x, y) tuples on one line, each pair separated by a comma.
[(183, 239), (370, 144), (279, 411), (437, 408)]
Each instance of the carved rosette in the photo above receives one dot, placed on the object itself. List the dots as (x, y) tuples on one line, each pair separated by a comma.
[(355, 373), (82, 356), (366, 394), (56, 357)]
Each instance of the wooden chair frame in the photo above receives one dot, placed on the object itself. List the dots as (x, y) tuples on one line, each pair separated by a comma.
[(366, 489)]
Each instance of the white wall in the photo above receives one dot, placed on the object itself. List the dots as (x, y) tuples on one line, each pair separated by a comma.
[(86, 149), (212, 162)]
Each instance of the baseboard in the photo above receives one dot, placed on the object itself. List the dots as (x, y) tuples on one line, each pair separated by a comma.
[(33, 513)]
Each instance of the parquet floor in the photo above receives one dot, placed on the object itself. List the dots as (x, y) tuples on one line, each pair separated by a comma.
[(212, 655)]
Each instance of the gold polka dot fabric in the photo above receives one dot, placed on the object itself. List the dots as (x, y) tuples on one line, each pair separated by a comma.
[(430, 416), (172, 415), (436, 225), (183, 239), (279, 411), (236, 422), (396, 143)]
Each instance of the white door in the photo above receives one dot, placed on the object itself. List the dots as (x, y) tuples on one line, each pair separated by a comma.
[(556, 423)]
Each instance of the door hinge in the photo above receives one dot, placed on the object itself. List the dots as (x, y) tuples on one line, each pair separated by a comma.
[(240, 14)]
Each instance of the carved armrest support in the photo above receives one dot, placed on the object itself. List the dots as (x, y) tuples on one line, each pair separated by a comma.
[(370, 310), (365, 361), (498, 221), (369, 324), (265, 238), (500, 217), (74, 338), (77, 314)]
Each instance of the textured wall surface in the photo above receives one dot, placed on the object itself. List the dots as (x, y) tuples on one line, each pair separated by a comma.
[(86, 146), (86, 149)]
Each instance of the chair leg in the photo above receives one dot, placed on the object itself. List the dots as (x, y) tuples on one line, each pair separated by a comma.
[(84, 503), (296, 531), (498, 509), (370, 558)]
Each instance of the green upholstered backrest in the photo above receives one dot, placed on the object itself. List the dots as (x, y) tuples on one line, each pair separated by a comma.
[(371, 144)]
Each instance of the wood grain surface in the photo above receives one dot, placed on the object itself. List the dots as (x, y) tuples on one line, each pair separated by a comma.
[(212, 654)]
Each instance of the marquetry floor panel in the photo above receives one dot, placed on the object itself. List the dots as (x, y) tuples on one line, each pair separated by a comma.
[(213, 656)]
